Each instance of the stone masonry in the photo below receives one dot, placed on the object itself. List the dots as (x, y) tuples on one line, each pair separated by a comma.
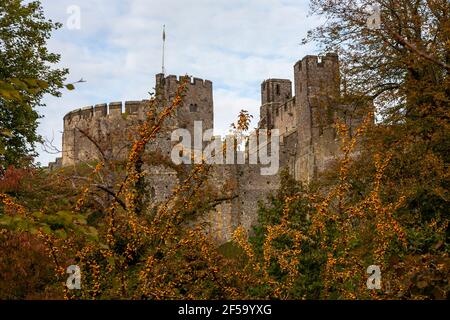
[(305, 121)]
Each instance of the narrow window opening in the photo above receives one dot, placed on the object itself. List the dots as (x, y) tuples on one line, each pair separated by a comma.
[(193, 108)]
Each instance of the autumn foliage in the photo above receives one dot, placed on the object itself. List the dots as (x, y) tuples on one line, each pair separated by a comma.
[(384, 202)]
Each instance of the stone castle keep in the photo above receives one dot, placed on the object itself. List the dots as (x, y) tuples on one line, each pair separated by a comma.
[(303, 112)]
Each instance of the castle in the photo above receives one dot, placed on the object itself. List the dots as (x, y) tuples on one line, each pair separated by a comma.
[(304, 113)]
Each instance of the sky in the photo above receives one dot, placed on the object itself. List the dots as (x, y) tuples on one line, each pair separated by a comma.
[(117, 49)]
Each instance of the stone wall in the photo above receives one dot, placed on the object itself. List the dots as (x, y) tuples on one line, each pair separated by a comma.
[(109, 126), (112, 125), (247, 188), (197, 103), (305, 121), (317, 88)]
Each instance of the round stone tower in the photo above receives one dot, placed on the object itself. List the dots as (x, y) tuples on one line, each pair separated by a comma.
[(105, 130)]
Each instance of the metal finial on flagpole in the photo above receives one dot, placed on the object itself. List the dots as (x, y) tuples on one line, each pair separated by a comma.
[(164, 48)]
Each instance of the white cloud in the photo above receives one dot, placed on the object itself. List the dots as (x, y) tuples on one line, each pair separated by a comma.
[(227, 105), (236, 44)]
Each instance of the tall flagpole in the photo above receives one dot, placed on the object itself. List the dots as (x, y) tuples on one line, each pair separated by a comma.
[(164, 48)]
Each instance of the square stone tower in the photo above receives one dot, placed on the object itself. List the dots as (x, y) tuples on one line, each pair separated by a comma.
[(317, 87), (306, 120), (197, 104), (274, 93)]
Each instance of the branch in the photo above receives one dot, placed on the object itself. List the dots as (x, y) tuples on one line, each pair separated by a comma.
[(214, 203), (94, 142), (210, 205), (49, 147), (111, 193), (106, 189), (383, 88), (419, 52)]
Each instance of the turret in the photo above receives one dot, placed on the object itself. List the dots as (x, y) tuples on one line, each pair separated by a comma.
[(274, 93), (317, 77), (276, 90), (197, 102)]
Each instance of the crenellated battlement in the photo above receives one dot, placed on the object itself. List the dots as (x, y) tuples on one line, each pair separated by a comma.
[(176, 80), (330, 60), (302, 110), (104, 110), (306, 106), (116, 120)]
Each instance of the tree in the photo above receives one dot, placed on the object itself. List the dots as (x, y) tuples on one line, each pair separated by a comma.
[(26, 74), (407, 54), (403, 65)]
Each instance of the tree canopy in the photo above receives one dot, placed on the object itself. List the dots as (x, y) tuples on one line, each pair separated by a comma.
[(27, 73)]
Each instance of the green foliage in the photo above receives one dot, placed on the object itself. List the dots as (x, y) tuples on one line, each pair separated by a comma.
[(311, 260), (155, 254), (13, 89), (35, 187), (59, 224), (26, 74)]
